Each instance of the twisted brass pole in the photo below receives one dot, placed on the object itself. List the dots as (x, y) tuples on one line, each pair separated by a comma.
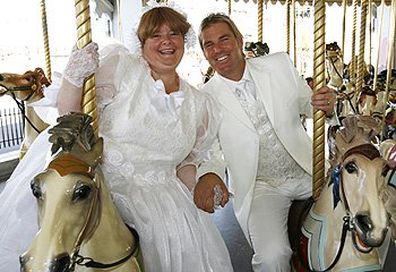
[(294, 33), (354, 27), (318, 171), (46, 40), (381, 29), (370, 16), (344, 7), (229, 7), (391, 52), (260, 20), (84, 37), (288, 26), (362, 38)]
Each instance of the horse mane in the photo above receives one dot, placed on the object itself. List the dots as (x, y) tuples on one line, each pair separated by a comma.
[(357, 133), (73, 131)]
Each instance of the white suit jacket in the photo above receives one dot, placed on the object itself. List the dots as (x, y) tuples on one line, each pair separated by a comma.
[(285, 95)]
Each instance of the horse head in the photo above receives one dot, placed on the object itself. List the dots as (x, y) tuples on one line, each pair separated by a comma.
[(27, 87), (388, 151), (367, 101), (358, 175), (256, 49), (75, 211)]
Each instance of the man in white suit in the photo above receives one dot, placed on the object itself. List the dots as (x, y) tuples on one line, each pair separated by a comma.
[(266, 149)]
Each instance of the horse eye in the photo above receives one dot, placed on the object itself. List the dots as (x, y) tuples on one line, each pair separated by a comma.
[(36, 190), (351, 167), (81, 193), (385, 170)]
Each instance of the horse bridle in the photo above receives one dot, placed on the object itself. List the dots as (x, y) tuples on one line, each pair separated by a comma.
[(81, 167)]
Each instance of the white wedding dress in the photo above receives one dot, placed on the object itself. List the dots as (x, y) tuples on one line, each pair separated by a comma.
[(148, 135)]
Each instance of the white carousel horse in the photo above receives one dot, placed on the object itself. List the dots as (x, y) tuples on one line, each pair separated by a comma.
[(388, 151), (80, 227), (335, 77), (27, 88), (344, 227)]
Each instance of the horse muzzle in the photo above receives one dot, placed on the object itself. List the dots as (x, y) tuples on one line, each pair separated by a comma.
[(365, 236), (60, 263)]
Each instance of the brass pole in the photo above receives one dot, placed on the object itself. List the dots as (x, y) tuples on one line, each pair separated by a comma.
[(46, 40), (354, 28), (379, 43), (344, 7), (362, 38), (370, 15), (288, 26), (391, 51), (229, 7), (260, 20), (84, 37), (319, 81), (294, 34), (119, 21)]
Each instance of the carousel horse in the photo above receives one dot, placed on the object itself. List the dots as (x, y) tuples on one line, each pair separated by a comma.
[(27, 88), (256, 49), (80, 227), (336, 77), (343, 228), (388, 151), (367, 102), (334, 66)]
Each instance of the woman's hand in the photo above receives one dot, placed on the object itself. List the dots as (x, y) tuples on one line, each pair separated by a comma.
[(204, 192), (82, 63)]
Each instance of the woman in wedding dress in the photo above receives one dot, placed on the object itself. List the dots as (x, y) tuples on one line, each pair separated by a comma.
[(156, 129)]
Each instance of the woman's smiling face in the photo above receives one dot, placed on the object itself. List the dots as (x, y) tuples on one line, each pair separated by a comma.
[(164, 49)]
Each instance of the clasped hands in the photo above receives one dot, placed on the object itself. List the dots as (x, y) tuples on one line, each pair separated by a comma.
[(204, 192)]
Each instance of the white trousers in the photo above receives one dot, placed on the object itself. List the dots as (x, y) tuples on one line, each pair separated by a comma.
[(268, 224)]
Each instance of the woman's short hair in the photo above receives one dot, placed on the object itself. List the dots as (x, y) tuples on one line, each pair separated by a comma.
[(215, 18), (153, 19)]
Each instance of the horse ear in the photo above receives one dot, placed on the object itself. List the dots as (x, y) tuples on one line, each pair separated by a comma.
[(94, 156), (331, 140), (97, 149)]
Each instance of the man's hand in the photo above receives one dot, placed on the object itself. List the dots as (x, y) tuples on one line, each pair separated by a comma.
[(324, 99), (204, 192)]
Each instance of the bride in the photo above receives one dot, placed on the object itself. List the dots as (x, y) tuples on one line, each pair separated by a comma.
[(157, 129)]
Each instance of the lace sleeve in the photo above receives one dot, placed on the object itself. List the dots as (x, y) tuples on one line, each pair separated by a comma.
[(109, 74), (207, 129)]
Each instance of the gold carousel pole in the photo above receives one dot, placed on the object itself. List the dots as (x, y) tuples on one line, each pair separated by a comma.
[(84, 37), (370, 15), (391, 51), (294, 33), (344, 7), (260, 20), (288, 4), (229, 7), (46, 40), (381, 29), (354, 27), (362, 38), (319, 81)]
